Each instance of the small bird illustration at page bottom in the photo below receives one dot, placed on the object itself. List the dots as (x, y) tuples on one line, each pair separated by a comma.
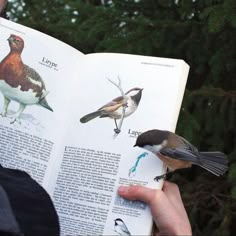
[(120, 227), (177, 153)]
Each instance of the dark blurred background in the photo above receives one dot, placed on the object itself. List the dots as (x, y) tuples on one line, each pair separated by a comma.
[(202, 32)]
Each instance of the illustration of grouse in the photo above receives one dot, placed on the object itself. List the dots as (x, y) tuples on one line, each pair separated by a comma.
[(19, 82)]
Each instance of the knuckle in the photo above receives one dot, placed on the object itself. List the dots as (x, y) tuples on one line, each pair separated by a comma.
[(158, 195), (172, 186)]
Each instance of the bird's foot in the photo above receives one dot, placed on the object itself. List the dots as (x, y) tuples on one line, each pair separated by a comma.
[(117, 131), (3, 114), (125, 105), (157, 178), (15, 119)]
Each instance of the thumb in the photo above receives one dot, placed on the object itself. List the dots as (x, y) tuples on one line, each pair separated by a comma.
[(141, 193)]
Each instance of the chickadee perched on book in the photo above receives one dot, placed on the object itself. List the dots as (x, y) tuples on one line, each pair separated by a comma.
[(114, 109), (177, 153)]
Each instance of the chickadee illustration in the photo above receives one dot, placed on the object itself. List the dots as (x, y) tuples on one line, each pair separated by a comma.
[(120, 227), (114, 109), (177, 153)]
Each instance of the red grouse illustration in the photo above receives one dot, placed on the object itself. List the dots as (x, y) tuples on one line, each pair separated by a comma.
[(19, 82)]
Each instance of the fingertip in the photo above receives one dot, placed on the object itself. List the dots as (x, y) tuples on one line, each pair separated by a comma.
[(137, 192), (128, 192), (123, 189)]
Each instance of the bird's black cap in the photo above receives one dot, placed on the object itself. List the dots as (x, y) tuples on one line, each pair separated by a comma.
[(151, 137)]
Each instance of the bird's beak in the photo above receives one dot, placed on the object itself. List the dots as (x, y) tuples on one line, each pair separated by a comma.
[(135, 145)]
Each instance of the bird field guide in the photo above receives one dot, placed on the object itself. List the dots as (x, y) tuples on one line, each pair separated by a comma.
[(71, 120)]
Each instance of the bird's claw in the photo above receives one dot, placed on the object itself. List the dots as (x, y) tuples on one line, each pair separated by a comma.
[(15, 120), (157, 178), (117, 131), (3, 114), (125, 105)]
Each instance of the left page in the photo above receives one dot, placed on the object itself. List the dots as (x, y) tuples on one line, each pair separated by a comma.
[(35, 75)]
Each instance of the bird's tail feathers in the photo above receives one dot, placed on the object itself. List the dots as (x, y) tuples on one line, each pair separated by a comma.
[(90, 116), (43, 102), (215, 162)]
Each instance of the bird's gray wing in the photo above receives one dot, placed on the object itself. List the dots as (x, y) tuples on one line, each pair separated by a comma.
[(180, 154), (125, 229), (33, 75), (187, 145), (117, 101)]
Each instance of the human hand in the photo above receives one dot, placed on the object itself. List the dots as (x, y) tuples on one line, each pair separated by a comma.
[(166, 206), (2, 5)]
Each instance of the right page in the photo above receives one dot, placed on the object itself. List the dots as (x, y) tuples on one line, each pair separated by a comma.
[(98, 153)]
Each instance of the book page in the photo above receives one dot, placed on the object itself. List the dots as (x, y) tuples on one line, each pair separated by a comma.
[(34, 97), (98, 153)]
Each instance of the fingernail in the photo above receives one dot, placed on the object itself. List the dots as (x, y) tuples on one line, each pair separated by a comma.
[(123, 189)]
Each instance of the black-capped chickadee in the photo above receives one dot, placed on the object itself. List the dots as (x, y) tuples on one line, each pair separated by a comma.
[(114, 109), (177, 153), (120, 227)]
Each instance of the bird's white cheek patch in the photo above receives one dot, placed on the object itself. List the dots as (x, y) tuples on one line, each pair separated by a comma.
[(157, 148), (149, 148), (26, 97)]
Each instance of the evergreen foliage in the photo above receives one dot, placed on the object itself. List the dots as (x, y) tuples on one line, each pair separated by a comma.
[(202, 32)]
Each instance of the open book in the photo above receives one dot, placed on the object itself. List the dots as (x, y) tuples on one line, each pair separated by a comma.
[(70, 120)]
